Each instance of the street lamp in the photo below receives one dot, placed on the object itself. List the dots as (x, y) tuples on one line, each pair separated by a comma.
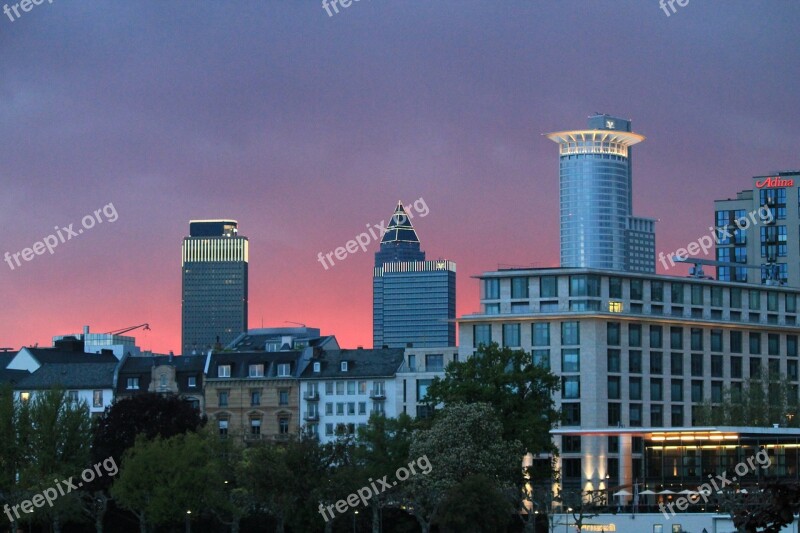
[(354, 521), (566, 522), (188, 521)]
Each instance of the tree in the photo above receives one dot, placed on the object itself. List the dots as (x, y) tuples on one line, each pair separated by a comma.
[(464, 440), (159, 479), (474, 505), (759, 403), (11, 448)]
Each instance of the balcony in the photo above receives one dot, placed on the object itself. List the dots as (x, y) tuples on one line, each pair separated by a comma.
[(377, 394), (311, 396), (312, 417), (253, 437)]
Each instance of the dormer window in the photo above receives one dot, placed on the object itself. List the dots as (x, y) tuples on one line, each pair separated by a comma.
[(192, 381), (344, 366), (224, 371), (317, 367), (284, 370), (256, 371), (273, 346)]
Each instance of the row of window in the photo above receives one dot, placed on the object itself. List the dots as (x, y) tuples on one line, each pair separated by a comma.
[(345, 408), (255, 426), (73, 397), (351, 388), (223, 397), (615, 365), (133, 383)]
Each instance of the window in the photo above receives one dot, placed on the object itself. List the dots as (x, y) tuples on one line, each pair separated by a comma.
[(614, 287), (716, 340), (97, 398), (256, 371), (716, 296), (317, 367), (377, 407), (255, 426), (340, 409), (755, 300), (613, 307), (773, 344), (637, 289), (676, 364), (772, 301), (791, 345), (255, 397), (351, 408), (482, 334), (736, 341), (614, 388), (422, 388), (378, 389), (676, 338), (571, 444), (571, 468), (697, 391), (736, 367), (362, 387), (791, 303), (613, 333), (656, 390), (635, 388), (677, 293), (697, 339), (755, 367), (585, 285), (755, 343), (491, 289), (677, 416), (791, 370), (570, 333), (657, 291), (329, 387), (613, 447), (284, 370), (676, 390), (351, 388), (223, 371), (541, 358), (572, 413), (223, 427), (635, 335), (614, 414), (162, 380), (362, 408), (571, 387), (329, 429), (656, 363), (283, 397), (519, 288), (656, 337), (697, 364), (716, 366), (540, 333), (192, 382), (635, 361), (133, 384), (339, 388), (283, 425), (736, 298), (343, 366), (656, 415), (548, 287), (697, 295), (570, 360), (329, 408), (614, 360), (511, 335), (635, 411), (222, 396), (72, 396), (434, 362)]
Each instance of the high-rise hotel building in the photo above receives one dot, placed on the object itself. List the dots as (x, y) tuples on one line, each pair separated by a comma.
[(598, 229), (761, 228), (413, 300), (636, 354), (214, 265)]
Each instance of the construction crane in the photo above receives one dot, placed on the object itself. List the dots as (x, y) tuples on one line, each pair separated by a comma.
[(770, 272), (146, 327)]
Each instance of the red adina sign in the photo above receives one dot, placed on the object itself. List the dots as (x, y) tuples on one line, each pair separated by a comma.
[(774, 182)]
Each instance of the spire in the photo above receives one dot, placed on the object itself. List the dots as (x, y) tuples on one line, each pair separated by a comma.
[(400, 228)]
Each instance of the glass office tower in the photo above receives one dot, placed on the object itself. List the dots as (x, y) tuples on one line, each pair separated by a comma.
[(413, 300), (214, 265), (598, 229)]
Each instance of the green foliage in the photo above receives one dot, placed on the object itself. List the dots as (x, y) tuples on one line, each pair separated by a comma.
[(519, 391), (761, 403), (475, 505)]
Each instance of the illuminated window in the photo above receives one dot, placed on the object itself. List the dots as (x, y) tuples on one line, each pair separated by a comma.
[(614, 307), (25, 396)]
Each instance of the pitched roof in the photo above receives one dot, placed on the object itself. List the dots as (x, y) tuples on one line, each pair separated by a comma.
[(12, 376), (240, 363), (382, 362), (400, 228), (56, 356), (97, 375), (182, 363)]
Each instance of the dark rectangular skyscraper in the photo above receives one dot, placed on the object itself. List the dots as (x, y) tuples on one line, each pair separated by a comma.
[(413, 300), (214, 264)]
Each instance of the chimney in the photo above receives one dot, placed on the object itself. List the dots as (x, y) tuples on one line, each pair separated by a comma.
[(85, 331)]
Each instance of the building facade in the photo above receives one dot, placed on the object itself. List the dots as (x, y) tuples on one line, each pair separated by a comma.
[(215, 291), (598, 229), (341, 389), (182, 376), (420, 367), (761, 228), (413, 300), (635, 350)]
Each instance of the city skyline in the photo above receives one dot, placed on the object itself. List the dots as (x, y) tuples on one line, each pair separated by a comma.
[(319, 143)]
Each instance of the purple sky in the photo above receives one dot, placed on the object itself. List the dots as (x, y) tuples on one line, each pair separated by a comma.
[(306, 127)]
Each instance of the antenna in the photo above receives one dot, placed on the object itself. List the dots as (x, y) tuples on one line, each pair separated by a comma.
[(297, 323)]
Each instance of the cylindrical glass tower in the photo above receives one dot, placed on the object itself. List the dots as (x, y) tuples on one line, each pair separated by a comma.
[(595, 196)]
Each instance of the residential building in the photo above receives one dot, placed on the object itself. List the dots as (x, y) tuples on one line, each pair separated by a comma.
[(761, 228), (634, 351), (282, 339), (414, 300), (215, 292), (598, 228), (420, 367), (97, 342), (182, 376), (341, 389)]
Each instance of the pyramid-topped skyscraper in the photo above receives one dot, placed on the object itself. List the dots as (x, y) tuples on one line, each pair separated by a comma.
[(413, 300)]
